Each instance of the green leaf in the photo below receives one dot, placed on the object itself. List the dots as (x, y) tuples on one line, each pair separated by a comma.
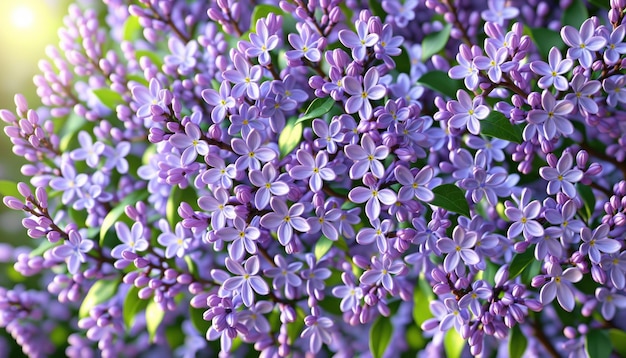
[(451, 198), (98, 293), (108, 97), (156, 60), (290, 137), (403, 61), (439, 81), (71, 126), (602, 4), (132, 29), (598, 344), (422, 296), (195, 315), (618, 341), (520, 262), (115, 213), (322, 246), (589, 199), (317, 108), (375, 6), (453, 344), (435, 42), (132, 306), (517, 342), (498, 126), (380, 336), (154, 317), (295, 328), (545, 39), (9, 188), (261, 12), (575, 14)]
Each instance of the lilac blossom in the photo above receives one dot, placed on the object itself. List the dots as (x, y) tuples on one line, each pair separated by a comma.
[(133, 240), (251, 151), (146, 97), (465, 69), (191, 143), (242, 236), (583, 44), (549, 243), (304, 44), (583, 90), (69, 183), (88, 150), (562, 177), (74, 250), (615, 265), (218, 173), (265, 180), (285, 276), (484, 185), (315, 276), (611, 301), (221, 101), (175, 242), (329, 134), (552, 71), (494, 62), (349, 293), (262, 43), (318, 331), (388, 45), (459, 249), (552, 119), (362, 93), (498, 12), (367, 157), (524, 217), (402, 12), (560, 286), (448, 314), (597, 242), (182, 56), (381, 271), (467, 112), (614, 87), (372, 197), (480, 290), (245, 77), (285, 219), (360, 41), (377, 233), (615, 47), (254, 316), (314, 169), (326, 222), (217, 204), (565, 218), (414, 186), (116, 157), (246, 280)]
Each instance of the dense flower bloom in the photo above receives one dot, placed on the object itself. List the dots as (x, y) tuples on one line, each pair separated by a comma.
[(246, 282), (360, 41), (367, 157), (313, 169), (552, 119), (524, 217), (552, 71), (285, 219), (262, 43), (560, 286), (372, 197), (74, 250), (598, 242), (582, 43), (459, 249), (499, 11), (563, 176), (362, 93), (467, 112)]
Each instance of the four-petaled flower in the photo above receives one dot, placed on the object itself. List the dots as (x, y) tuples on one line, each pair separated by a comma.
[(372, 197), (459, 249), (467, 112), (552, 71), (191, 143), (312, 168), (285, 219), (74, 250), (597, 242), (362, 93), (358, 42), (132, 240), (367, 157), (381, 271), (563, 177), (560, 285), (583, 44), (246, 282)]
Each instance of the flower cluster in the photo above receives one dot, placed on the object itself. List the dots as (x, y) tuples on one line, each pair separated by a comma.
[(291, 178)]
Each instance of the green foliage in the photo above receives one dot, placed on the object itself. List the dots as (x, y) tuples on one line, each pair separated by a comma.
[(451, 198), (520, 262), (115, 213), (108, 97), (290, 137), (517, 342), (317, 108), (195, 315), (498, 126), (575, 14), (544, 39), (9, 188), (439, 81), (380, 336), (154, 317), (422, 295), (618, 341), (453, 344), (598, 344), (589, 200), (435, 42), (100, 292), (132, 306), (132, 29), (322, 246)]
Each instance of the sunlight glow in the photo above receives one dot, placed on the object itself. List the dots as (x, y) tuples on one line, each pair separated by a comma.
[(22, 17)]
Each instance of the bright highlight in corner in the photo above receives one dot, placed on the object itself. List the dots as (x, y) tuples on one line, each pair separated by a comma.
[(22, 17)]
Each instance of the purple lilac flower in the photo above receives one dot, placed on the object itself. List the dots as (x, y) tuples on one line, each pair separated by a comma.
[(251, 151), (285, 275), (88, 150), (245, 78), (363, 93), (69, 183), (326, 222), (465, 69), (116, 157), (549, 243), (289, 89), (304, 44), (224, 319), (615, 47), (565, 218), (217, 204), (221, 101), (492, 149), (552, 71), (377, 233), (524, 217), (583, 44), (388, 45), (404, 88), (459, 249), (133, 240), (360, 41), (313, 169), (597, 242), (467, 112), (246, 282), (560, 286), (372, 197), (448, 314), (329, 134), (498, 11), (484, 185), (552, 119), (614, 87), (480, 290), (583, 92), (191, 143), (262, 43), (242, 236), (182, 56), (349, 293), (611, 301), (414, 186), (494, 62), (175, 242), (563, 177), (315, 276), (318, 331), (381, 271), (615, 265), (245, 120), (266, 181), (367, 157), (146, 97), (218, 173), (402, 12), (74, 250), (254, 316), (285, 219)]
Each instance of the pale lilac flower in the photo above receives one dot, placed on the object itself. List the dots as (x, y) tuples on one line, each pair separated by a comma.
[(69, 183), (191, 143), (524, 217), (285, 219), (484, 185), (88, 150), (549, 243), (313, 169), (583, 93), (87, 197), (553, 118), (614, 86), (217, 204), (448, 314), (285, 275), (349, 293), (242, 122), (615, 47), (414, 186), (74, 250), (182, 56), (459, 249), (218, 173), (243, 238), (494, 62), (116, 157), (146, 97), (611, 301), (583, 44), (304, 44), (372, 197), (498, 11), (388, 45), (329, 134), (402, 12), (377, 233), (363, 93), (262, 43), (563, 177), (565, 218), (358, 42), (254, 316), (175, 242), (552, 71), (266, 181), (480, 290), (133, 240), (315, 276), (327, 222), (251, 151), (615, 266), (465, 69), (598, 242), (246, 282), (367, 157), (560, 286), (245, 77), (221, 101), (317, 331), (381, 271), (467, 112)]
